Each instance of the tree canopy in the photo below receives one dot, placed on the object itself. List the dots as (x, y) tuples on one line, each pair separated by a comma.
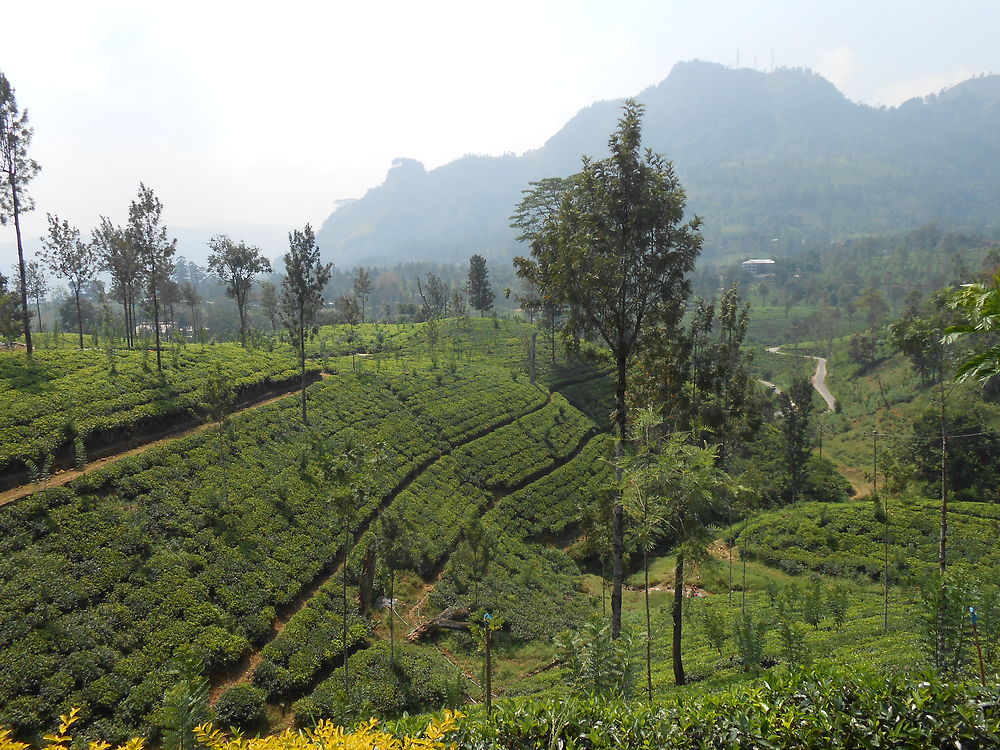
[(302, 293), (69, 258), (236, 264), (980, 304), (611, 243), (478, 287), (17, 169)]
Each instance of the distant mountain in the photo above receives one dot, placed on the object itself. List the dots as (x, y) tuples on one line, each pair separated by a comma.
[(773, 162)]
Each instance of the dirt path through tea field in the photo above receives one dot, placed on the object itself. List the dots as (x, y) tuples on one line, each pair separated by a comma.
[(169, 436)]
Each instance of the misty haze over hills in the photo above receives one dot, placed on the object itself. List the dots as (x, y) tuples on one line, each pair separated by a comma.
[(762, 155)]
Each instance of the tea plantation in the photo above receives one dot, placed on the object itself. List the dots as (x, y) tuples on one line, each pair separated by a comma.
[(231, 546)]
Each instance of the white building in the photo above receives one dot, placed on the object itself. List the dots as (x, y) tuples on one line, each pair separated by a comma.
[(758, 267)]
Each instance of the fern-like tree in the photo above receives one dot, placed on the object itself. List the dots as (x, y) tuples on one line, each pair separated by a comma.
[(979, 304), (69, 258), (611, 244), (393, 549), (16, 169), (646, 511), (692, 490), (236, 264), (302, 294), (185, 704), (155, 250)]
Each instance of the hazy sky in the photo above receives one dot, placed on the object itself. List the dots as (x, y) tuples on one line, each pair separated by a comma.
[(267, 113)]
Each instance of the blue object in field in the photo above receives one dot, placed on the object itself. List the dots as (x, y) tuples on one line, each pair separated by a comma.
[(487, 616), (973, 616)]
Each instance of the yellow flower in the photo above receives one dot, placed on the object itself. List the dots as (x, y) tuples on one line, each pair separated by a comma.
[(324, 736)]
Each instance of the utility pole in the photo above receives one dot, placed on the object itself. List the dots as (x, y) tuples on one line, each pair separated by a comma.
[(943, 546), (743, 557), (885, 535)]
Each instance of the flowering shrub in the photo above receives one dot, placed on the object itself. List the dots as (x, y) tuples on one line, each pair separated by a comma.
[(325, 736)]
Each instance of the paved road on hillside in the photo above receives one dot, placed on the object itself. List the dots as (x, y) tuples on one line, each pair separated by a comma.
[(818, 379)]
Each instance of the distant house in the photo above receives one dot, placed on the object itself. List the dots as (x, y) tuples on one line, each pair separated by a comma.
[(758, 268), (165, 327)]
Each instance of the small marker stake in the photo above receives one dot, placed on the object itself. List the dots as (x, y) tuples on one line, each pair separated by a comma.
[(979, 649)]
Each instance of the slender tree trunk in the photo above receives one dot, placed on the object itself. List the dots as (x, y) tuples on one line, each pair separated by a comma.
[(302, 362), (156, 318), (25, 314), (618, 511), (649, 629), (131, 319), (38, 311), (678, 621), (743, 593), (127, 304), (243, 324), (604, 587), (343, 577), (943, 543), (79, 316), (488, 677), (552, 338), (392, 612)]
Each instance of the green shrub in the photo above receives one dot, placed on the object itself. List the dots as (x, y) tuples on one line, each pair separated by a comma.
[(814, 711), (240, 706)]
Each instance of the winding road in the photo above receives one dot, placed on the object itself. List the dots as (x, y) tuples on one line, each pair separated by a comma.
[(818, 379)]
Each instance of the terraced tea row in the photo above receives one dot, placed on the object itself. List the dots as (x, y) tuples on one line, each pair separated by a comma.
[(453, 344), (195, 543), (847, 539), (434, 510), (46, 403), (531, 586)]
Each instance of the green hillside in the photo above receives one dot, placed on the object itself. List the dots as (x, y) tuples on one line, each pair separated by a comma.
[(230, 544)]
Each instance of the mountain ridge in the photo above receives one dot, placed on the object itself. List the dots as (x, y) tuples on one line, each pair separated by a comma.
[(762, 155)]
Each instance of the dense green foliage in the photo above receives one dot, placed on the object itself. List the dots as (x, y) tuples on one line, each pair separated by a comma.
[(309, 641), (208, 541), (807, 710), (419, 681), (47, 401), (846, 539), (240, 706), (200, 542)]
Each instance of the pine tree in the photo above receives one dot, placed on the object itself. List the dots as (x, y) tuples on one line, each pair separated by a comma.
[(236, 264), (362, 287), (302, 293), (478, 288), (119, 256), (70, 259), (621, 220), (155, 251), (17, 170)]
